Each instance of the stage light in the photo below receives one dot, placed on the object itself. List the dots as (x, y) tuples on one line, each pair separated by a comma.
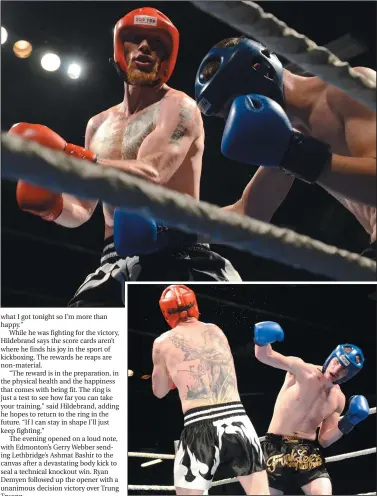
[(4, 35), (22, 49), (50, 62), (74, 71)]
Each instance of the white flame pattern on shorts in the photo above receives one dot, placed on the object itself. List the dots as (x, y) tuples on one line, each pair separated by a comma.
[(198, 469), (244, 429)]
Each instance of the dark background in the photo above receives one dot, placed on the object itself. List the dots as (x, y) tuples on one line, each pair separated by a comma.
[(43, 264), (315, 318)]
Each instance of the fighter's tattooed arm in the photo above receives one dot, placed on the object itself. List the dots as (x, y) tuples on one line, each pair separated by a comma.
[(154, 142), (209, 368), (185, 116), (178, 125)]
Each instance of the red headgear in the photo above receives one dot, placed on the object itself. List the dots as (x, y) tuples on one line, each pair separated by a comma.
[(178, 302), (152, 21)]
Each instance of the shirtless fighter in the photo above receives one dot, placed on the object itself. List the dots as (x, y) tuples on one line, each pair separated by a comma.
[(292, 126), (157, 133), (196, 357), (310, 398)]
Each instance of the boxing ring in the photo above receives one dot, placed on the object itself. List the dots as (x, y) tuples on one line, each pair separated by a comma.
[(329, 459), (59, 172)]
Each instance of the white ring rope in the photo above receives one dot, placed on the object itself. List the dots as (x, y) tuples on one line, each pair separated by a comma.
[(137, 454), (249, 18), (372, 411), (353, 454), (330, 459), (60, 172)]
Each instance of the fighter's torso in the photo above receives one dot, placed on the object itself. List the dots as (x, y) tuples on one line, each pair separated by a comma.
[(301, 407), (119, 137), (201, 365), (325, 125)]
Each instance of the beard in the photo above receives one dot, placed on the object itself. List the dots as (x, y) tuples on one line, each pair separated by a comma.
[(136, 77)]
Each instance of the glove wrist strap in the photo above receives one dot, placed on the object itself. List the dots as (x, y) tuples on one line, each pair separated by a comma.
[(306, 158), (80, 152), (345, 426)]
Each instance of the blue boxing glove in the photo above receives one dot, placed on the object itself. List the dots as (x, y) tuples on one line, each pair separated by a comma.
[(358, 410), (267, 333), (135, 234), (258, 132)]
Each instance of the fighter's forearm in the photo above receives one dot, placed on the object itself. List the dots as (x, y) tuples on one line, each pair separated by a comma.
[(329, 437), (264, 353), (75, 211), (124, 165), (352, 177), (144, 169), (263, 194), (161, 385)]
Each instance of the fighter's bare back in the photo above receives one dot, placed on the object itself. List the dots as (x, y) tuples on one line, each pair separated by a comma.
[(200, 363), (118, 136), (326, 124), (301, 406)]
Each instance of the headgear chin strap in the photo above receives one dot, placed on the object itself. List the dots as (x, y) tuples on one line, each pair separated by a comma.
[(152, 21), (245, 68), (347, 359), (178, 302)]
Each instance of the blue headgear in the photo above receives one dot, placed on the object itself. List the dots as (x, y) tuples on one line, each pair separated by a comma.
[(347, 360), (245, 68)]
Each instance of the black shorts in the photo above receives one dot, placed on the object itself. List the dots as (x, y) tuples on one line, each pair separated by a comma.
[(216, 436), (370, 251), (182, 262), (292, 460)]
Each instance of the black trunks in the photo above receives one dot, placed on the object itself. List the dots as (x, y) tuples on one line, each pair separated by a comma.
[(292, 461), (180, 262), (216, 436)]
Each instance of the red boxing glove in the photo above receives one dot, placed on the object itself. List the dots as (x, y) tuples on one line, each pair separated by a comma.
[(40, 201), (48, 138)]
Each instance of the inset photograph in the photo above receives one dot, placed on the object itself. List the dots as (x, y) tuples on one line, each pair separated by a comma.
[(251, 389), (174, 142)]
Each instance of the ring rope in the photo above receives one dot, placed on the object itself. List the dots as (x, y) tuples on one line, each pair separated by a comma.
[(60, 172), (329, 459), (372, 411), (353, 454), (249, 18), (138, 454)]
